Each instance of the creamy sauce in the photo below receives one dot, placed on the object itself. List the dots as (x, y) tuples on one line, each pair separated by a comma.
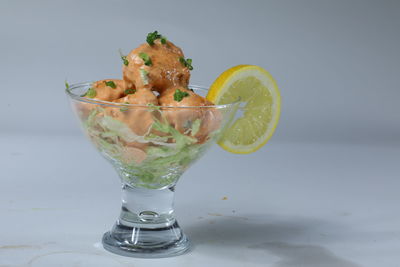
[(164, 72), (182, 118), (158, 70), (139, 119), (107, 93)]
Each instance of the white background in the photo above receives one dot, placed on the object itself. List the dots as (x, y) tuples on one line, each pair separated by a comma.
[(323, 192)]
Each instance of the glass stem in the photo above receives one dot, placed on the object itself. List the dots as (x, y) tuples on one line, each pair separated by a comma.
[(150, 208), (146, 226)]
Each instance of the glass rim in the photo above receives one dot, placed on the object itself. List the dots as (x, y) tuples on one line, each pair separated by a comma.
[(70, 93)]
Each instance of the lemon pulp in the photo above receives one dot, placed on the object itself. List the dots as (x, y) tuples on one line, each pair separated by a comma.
[(260, 100)]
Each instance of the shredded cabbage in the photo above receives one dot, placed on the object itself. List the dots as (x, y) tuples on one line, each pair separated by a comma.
[(165, 161)]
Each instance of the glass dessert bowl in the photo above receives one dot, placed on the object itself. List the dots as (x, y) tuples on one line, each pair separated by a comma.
[(150, 147)]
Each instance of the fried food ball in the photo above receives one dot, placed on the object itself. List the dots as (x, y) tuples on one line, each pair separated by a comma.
[(157, 67), (139, 97), (139, 119), (109, 90), (183, 119), (181, 96), (106, 90)]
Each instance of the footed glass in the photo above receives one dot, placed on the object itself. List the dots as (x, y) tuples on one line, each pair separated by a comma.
[(150, 147)]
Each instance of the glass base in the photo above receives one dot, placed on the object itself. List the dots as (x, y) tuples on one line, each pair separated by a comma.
[(146, 242), (146, 227)]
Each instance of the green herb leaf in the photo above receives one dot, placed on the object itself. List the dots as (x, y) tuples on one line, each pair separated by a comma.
[(66, 85), (146, 59), (91, 93), (144, 75), (124, 108), (126, 62), (179, 95), (110, 84), (130, 91), (186, 62), (152, 36)]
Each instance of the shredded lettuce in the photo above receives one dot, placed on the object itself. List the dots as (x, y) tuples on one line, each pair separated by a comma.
[(195, 127), (165, 161), (118, 128), (155, 138), (90, 121)]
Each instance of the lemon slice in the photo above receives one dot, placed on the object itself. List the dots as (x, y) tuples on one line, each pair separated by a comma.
[(261, 102)]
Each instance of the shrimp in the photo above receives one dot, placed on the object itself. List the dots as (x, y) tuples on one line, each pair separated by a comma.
[(157, 67), (109, 90), (105, 90), (139, 119), (182, 118)]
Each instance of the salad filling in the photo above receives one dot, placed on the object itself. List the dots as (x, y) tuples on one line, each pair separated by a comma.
[(154, 143)]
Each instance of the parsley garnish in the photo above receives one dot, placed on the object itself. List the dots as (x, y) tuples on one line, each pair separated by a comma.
[(110, 84), (130, 91), (144, 75), (179, 95), (146, 59), (91, 93), (152, 36), (126, 62), (66, 85), (186, 62)]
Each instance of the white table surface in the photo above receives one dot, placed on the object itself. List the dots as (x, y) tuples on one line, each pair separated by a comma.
[(292, 204)]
